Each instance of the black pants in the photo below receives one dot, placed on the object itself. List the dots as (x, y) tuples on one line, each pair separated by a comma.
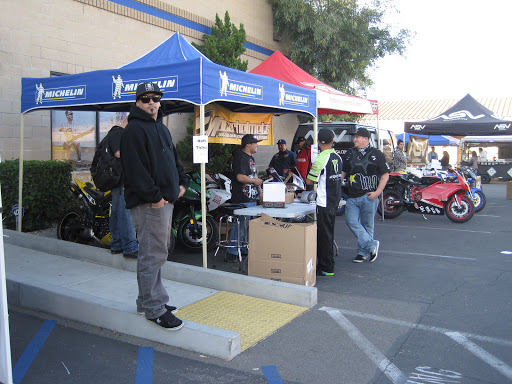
[(326, 218)]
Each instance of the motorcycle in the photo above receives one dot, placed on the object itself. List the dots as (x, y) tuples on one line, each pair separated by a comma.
[(88, 221), (187, 219), (219, 189), (427, 195), (476, 194)]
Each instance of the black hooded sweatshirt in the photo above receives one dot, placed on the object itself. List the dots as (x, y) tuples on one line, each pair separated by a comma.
[(151, 167)]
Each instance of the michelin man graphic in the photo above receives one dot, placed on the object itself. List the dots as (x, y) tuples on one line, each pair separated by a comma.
[(281, 94), (40, 93), (224, 83), (119, 86)]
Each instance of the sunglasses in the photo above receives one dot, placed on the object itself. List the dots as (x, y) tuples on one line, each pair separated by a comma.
[(69, 114), (145, 99)]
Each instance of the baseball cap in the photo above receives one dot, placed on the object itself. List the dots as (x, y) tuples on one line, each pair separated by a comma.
[(281, 141), (363, 132), (144, 88), (300, 139), (249, 139), (325, 136)]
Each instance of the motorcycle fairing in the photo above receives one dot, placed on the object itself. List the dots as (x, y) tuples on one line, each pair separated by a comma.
[(425, 208)]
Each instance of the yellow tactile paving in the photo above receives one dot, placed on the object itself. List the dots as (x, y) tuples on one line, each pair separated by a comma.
[(253, 318)]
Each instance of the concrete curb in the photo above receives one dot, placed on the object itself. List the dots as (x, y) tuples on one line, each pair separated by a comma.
[(188, 274), (111, 315)]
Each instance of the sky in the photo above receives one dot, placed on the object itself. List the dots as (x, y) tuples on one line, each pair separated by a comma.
[(460, 47)]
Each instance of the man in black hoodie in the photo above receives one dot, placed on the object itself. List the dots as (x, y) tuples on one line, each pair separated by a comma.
[(153, 180)]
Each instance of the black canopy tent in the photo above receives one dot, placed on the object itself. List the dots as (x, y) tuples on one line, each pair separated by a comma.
[(466, 118)]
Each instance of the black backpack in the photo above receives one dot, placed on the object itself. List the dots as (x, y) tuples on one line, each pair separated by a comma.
[(106, 169)]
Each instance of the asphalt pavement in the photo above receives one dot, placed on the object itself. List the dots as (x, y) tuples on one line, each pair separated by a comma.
[(435, 307)]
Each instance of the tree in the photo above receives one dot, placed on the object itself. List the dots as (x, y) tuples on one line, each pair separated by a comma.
[(337, 41), (225, 44)]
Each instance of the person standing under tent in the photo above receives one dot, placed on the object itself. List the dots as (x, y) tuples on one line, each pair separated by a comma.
[(400, 158), (245, 188), (432, 155), (482, 155), (326, 171), (153, 180), (283, 160)]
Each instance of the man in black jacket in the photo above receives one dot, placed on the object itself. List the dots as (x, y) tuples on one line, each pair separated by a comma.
[(153, 180)]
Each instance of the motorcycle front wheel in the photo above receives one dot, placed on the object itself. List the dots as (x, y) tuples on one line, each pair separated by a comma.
[(478, 200), (72, 227), (194, 242), (391, 210), (462, 214)]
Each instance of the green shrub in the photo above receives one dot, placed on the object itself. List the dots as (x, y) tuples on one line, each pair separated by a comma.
[(46, 192)]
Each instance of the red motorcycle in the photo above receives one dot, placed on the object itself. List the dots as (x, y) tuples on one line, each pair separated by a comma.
[(428, 195)]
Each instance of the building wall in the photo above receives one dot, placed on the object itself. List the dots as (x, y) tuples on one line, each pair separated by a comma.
[(38, 37)]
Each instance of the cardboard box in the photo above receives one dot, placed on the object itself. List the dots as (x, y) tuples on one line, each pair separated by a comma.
[(509, 190), (289, 197), (282, 251)]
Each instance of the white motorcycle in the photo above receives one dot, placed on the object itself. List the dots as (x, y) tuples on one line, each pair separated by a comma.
[(219, 188)]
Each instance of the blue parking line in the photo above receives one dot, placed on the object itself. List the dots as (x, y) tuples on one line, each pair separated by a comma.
[(144, 373), (272, 374), (30, 353)]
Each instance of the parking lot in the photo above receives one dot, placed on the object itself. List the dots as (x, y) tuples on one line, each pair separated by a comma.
[(434, 307)]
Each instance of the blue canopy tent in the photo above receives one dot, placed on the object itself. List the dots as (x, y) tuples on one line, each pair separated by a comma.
[(432, 140), (186, 78)]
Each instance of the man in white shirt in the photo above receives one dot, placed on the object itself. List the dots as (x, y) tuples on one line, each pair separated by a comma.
[(482, 155)]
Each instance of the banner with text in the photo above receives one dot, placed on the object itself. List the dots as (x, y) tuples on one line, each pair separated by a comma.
[(227, 127)]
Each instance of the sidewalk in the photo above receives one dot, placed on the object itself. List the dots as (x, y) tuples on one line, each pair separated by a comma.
[(90, 285)]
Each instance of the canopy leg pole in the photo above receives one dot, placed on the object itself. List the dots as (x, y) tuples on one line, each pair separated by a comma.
[(20, 176), (5, 338), (203, 193)]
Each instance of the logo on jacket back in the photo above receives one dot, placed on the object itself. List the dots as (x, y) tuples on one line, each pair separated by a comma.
[(459, 115), (239, 88), (127, 88), (43, 94)]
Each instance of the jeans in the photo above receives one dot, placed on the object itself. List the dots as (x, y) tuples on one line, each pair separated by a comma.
[(244, 232), (153, 228), (360, 218), (120, 223)]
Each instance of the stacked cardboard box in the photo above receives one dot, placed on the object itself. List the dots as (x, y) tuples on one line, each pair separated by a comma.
[(282, 251)]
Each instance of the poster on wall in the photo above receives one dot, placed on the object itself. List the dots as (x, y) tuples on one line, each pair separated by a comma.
[(227, 127), (74, 137), (108, 120)]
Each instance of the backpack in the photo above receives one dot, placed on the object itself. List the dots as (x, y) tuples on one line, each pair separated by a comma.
[(106, 169)]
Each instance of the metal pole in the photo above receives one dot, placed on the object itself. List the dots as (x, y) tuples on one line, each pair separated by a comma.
[(203, 192), (20, 177), (5, 343)]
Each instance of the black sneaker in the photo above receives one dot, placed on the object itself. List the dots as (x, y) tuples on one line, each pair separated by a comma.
[(116, 252), (375, 252), (230, 258), (168, 321), (169, 308), (359, 259)]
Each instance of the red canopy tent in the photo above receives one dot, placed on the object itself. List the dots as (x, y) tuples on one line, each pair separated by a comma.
[(330, 100)]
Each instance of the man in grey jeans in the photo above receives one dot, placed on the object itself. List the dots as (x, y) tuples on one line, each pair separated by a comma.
[(153, 180)]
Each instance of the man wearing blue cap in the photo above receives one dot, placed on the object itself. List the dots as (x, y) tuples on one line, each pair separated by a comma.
[(283, 160)]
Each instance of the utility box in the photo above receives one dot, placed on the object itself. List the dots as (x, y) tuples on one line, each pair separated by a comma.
[(282, 251), (274, 195)]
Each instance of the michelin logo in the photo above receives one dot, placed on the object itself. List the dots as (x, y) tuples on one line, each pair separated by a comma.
[(127, 88), (239, 88), (292, 98), (43, 94)]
